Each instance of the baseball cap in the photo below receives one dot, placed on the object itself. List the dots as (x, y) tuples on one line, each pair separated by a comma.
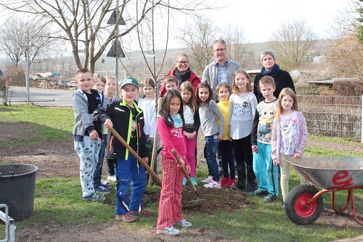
[(129, 80)]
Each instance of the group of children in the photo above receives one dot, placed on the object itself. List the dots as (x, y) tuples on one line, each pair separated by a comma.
[(258, 137)]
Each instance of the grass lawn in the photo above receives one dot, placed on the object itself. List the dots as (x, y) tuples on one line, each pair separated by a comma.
[(58, 199)]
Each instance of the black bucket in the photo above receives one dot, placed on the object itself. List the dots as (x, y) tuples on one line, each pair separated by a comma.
[(17, 184)]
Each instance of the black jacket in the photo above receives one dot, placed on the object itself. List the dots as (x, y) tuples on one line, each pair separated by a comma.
[(119, 113), (282, 80)]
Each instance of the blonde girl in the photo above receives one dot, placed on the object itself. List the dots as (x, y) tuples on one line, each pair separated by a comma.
[(225, 145), (242, 112), (289, 136), (191, 126)]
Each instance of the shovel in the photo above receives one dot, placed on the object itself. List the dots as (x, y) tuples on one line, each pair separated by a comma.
[(133, 152), (192, 203)]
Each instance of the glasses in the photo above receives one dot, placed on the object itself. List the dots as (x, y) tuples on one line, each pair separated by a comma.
[(182, 62), (219, 50)]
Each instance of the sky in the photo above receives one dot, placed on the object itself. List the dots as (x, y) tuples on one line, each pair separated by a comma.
[(257, 18), (260, 18)]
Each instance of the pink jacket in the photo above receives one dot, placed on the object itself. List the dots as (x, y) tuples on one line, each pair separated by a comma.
[(301, 135), (171, 138)]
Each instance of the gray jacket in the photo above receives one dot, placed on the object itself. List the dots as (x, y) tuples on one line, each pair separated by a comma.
[(210, 74), (208, 114), (82, 118)]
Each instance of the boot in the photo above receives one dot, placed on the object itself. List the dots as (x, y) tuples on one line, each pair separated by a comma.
[(241, 173), (251, 180)]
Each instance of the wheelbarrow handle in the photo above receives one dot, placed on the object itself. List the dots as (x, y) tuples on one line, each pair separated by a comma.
[(181, 163), (136, 155)]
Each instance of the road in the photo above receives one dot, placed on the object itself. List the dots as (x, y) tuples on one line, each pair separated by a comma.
[(42, 97)]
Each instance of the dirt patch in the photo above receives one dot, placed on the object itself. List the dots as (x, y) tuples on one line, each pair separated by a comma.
[(54, 159), (354, 147), (111, 231), (214, 200), (15, 131)]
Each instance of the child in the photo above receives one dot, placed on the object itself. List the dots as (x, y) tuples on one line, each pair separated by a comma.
[(148, 106), (110, 88), (192, 123), (128, 120), (289, 136), (99, 85), (208, 114), (170, 126), (170, 82), (86, 132), (266, 173), (225, 145), (243, 109)]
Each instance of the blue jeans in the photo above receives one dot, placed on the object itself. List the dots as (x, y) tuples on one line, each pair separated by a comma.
[(98, 171), (210, 152), (128, 173)]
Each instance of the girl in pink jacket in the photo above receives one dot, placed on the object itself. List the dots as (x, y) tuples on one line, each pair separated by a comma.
[(289, 136), (170, 125)]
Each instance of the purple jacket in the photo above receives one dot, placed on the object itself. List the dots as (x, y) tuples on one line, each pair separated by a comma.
[(301, 135)]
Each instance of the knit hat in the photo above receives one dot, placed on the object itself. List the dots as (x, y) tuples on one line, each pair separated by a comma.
[(129, 80)]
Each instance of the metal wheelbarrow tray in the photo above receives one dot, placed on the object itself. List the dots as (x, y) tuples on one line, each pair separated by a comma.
[(304, 203)]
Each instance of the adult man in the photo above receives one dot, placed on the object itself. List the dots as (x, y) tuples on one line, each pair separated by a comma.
[(221, 70)]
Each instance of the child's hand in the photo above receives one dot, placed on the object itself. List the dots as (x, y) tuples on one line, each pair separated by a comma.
[(192, 135), (108, 123), (146, 159), (254, 148), (93, 135), (187, 169), (297, 155), (276, 162), (220, 137)]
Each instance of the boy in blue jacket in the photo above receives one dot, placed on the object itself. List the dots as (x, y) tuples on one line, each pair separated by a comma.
[(128, 120)]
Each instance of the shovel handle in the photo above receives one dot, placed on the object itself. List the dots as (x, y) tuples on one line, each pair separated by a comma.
[(136, 155), (181, 163)]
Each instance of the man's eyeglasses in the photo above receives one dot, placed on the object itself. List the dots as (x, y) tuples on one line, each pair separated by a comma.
[(219, 50), (182, 62)]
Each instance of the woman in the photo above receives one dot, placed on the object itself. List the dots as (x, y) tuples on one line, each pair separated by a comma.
[(182, 73), (270, 68)]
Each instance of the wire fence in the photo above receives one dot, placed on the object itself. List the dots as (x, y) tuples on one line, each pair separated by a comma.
[(335, 116)]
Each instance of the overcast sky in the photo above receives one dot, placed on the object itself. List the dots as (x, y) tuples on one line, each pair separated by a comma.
[(259, 18)]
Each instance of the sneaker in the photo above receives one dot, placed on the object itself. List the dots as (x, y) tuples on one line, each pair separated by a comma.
[(184, 182), (183, 223), (102, 188), (212, 184), (126, 218), (194, 181), (95, 197), (208, 179), (145, 213), (283, 205), (171, 231), (225, 182), (111, 178), (232, 182), (260, 192), (270, 198)]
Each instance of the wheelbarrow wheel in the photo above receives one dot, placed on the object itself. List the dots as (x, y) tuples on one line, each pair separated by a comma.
[(297, 207)]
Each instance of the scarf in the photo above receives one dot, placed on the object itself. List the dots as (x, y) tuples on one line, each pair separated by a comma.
[(275, 68), (177, 120), (182, 76)]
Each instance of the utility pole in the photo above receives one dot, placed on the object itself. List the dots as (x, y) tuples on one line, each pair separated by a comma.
[(27, 77)]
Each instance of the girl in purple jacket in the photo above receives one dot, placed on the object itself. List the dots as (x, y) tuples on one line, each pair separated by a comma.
[(289, 136)]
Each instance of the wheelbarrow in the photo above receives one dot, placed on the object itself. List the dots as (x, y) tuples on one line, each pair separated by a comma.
[(304, 203)]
